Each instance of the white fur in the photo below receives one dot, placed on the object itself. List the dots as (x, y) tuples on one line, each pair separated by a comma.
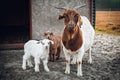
[(88, 37), (39, 50)]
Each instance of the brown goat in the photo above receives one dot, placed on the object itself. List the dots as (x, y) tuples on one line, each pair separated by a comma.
[(72, 35), (77, 37), (55, 49)]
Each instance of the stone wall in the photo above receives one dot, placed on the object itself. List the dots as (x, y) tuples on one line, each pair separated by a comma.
[(45, 17)]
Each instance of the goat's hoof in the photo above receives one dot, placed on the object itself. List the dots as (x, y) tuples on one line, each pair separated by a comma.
[(37, 70), (53, 61), (90, 61), (57, 58), (47, 70), (24, 68), (79, 74), (67, 72)]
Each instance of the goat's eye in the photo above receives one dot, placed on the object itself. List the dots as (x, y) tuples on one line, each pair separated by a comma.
[(66, 18), (76, 18), (48, 42), (51, 33), (45, 34), (42, 43)]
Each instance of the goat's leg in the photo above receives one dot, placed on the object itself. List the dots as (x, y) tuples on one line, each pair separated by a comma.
[(67, 56), (37, 62), (29, 62), (45, 65), (50, 56), (89, 56), (74, 59), (54, 55), (79, 68), (58, 53), (79, 62), (24, 62)]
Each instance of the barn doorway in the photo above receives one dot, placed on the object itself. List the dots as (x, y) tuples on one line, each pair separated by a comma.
[(14, 21)]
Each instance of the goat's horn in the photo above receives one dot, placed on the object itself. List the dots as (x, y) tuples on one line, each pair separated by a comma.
[(79, 6), (59, 7)]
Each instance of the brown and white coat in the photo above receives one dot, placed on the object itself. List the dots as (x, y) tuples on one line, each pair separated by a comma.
[(77, 37), (55, 49)]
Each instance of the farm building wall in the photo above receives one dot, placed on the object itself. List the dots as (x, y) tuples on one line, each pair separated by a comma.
[(45, 17)]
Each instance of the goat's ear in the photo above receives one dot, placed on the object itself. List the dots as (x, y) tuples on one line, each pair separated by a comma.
[(40, 41), (51, 42), (80, 22), (61, 16), (51, 33), (76, 18), (45, 34)]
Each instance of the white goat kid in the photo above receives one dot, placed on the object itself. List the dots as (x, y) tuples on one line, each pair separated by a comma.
[(39, 50)]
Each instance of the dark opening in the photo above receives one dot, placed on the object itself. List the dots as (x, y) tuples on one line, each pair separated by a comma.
[(14, 21)]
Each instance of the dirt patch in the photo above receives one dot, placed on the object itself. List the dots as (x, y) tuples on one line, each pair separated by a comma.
[(108, 21), (105, 66)]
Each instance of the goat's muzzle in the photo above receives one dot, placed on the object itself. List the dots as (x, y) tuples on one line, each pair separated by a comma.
[(46, 47), (71, 28), (48, 36)]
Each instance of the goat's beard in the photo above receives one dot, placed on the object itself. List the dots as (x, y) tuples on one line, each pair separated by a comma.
[(71, 31)]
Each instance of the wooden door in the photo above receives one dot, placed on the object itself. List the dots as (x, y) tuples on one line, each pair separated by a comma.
[(15, 23)]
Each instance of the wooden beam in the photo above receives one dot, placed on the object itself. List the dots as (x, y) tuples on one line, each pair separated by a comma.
[(30, 18), (11, 46)]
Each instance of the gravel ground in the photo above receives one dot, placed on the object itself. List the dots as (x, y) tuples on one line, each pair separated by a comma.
[(105, 66)]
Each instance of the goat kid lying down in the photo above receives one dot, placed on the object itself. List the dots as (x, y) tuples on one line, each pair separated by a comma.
[(39, 50)]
